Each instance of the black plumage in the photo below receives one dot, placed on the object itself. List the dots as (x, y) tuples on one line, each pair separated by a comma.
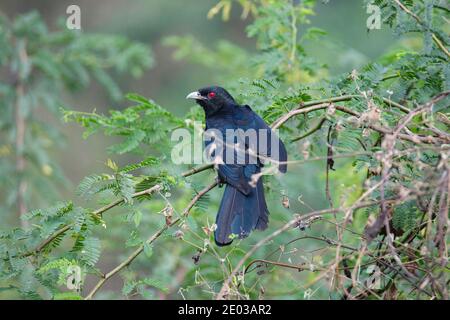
[(243, 207)]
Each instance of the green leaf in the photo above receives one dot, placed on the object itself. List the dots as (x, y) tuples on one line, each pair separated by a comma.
[(128, 288), (150, 161), (133, 240), (131, 143), (148, 250), (137, 217), (137, 98), (67, 296), (155, 283), (91, 251), (125, 184)]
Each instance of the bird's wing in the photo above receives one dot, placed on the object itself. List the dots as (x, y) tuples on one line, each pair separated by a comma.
[(230, 171), (269, 145), (238, 175)]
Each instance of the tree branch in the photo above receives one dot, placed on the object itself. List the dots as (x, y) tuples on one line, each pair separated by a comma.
[(317, 127), (416, 17), (197, 170), (98, 212), (224, 291), (149, 241)]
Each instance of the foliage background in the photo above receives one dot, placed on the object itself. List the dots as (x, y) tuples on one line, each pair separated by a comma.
[(178, 49)]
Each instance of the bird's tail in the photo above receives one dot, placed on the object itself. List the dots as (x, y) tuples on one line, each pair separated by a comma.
[(239, 214)]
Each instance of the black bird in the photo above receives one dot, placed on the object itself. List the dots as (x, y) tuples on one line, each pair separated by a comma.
[(243, 207)]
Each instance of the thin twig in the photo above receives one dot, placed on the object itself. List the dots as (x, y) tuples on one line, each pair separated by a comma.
[(98, 212), (416, 17), (149, 241)]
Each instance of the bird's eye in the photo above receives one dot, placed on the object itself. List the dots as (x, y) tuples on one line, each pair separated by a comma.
[(211, 95)]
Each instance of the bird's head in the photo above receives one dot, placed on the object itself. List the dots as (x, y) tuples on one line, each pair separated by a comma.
[(212, 99)]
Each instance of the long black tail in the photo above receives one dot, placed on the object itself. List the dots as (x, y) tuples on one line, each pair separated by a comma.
[(240, 214)]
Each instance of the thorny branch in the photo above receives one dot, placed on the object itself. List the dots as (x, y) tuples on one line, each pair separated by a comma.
[(391, 258)]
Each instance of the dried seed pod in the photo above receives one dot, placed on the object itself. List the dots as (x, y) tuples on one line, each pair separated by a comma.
[(374, 115), (178, 234), (285, 202)]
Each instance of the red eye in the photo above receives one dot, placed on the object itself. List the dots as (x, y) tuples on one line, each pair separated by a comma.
[(211, 95)]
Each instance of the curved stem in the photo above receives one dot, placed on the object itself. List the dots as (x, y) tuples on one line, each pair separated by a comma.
[(149, 241)]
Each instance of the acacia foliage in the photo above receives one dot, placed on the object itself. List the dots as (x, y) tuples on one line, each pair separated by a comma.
[(389, 121), (40, 68)]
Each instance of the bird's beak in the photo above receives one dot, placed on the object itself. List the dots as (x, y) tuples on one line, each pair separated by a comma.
[(195, 95)]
